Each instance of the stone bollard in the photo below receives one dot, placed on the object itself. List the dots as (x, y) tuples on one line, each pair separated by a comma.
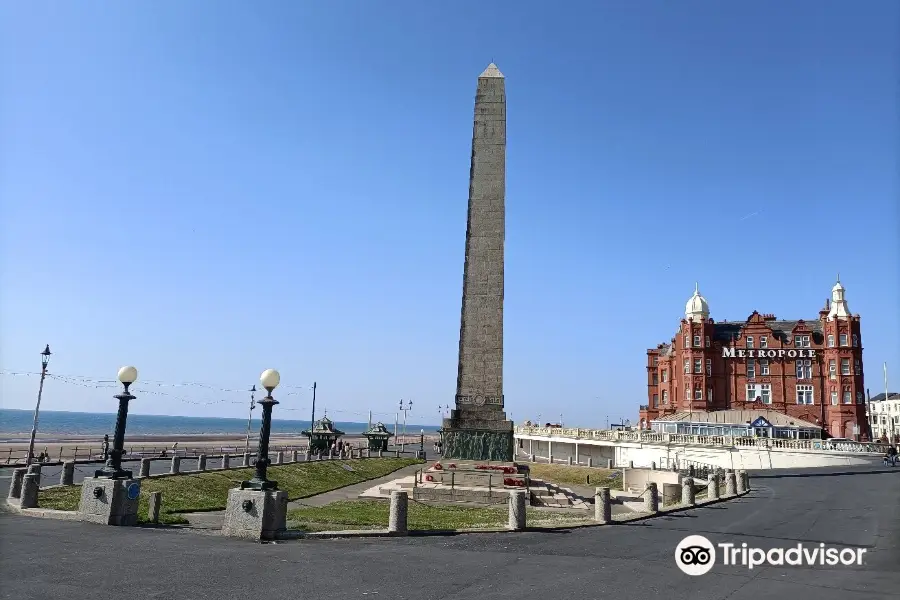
[(712, 490), (532, 458), (569, 461), (651, 498), (226, 461), (399, 506), (602, 505), (398, 454), (153, 505), (368, 453), (175, 467), (746, 481), (517, 510), (630, 464), (295, 456), (730, 484), (201, 462), (739, 482), (550, 460), (653, 466), (590, 461), (687, 491), (67, 475), (15, 486), (36, 471), (145, 468), (279, 458), (381, 454), (29, 496), (246, 461), (609, 463)]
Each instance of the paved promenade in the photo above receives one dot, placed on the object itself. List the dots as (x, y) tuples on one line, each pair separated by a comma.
[(44, 559)]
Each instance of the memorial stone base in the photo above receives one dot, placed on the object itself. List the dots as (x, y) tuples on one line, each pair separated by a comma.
[(109, 501), (255, 515), (478, 444)]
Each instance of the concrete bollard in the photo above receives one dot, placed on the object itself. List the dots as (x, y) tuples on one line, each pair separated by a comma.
[(653, 466), (712, 490), (226, 461), (399, 506), (651, 498), (517, 510), (308, 455), (279, 458), (381, 454), (201, 462), (746, 481), (295, 456), (739, 482), (175, 467), (550, 460), (602, 505), (687, 491), (246, 461), (145, 468), (532, 458), (730, 483), (36, 471), (630, 464), (368, 453), (609, 463), (153, 505), (29, 496), (67, 475), (15, 486), (569, 461), (590, 461), (398, 454)]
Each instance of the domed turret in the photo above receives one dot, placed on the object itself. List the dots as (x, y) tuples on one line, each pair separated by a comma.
[(696, 308), (838, 301)]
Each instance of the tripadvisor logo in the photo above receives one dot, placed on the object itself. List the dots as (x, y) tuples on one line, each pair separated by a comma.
[(696, 555)]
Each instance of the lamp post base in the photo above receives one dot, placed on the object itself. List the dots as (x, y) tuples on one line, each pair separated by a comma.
[(109, 501), (259, 485), (255, 515), (110, 473)]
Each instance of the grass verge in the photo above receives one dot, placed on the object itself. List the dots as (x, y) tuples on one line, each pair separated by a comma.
[(586, 476), (206, 491), (374, 514)]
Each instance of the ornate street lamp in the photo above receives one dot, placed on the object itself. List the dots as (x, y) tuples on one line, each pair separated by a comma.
[(45, 360), (269, 380), (113, 468)]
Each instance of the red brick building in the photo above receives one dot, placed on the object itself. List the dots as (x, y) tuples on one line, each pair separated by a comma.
[(811, 370)]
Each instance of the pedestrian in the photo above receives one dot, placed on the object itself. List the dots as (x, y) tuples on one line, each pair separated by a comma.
[(106, 447)]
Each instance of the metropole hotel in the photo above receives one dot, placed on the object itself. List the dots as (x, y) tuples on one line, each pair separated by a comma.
[(761, 377)]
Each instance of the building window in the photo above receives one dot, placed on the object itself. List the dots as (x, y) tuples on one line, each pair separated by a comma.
[(831, 340), (687, 392), (707, 341), (709, 394), (749, 341), (687, 340), (801, 341), (804, 394), (763, 341), (698, 394), (665, 375), (832, 369), (655, 361), (696, 341), (855, 340), (845, 366), (859, 397), (665, 397), (848, 398), (804, 369), (765, 393), (858, 366), (655, 400), (843, 339), (751, 369), (709, 366), (698, 366), (834, 398), (764, 367), (687, 365), (752, 393)]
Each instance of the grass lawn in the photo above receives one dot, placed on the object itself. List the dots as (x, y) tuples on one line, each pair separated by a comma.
[(373, 514), (566, 475), (209, 490)]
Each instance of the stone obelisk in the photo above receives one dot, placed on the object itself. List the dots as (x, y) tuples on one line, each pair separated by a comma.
[(477, 428)]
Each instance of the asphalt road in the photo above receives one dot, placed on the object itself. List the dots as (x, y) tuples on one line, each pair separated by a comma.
[(45, 559)]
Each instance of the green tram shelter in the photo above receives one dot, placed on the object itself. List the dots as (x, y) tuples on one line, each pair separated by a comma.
[(378, 436), (322, 435)]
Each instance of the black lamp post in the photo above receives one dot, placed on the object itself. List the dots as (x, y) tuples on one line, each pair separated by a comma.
[(422, 440), (113, 468), (45, 360), (269, 380)]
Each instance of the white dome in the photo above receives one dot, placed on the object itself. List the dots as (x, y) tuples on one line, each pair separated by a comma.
[(697, 307)]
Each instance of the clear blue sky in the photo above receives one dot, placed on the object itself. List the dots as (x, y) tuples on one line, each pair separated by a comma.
[(208, 189)]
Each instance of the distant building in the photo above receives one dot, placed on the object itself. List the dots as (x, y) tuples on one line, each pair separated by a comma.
[(809, 370), (884, 416), (741, 423)]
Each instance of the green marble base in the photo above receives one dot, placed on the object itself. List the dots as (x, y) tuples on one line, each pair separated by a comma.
[(475, 444)]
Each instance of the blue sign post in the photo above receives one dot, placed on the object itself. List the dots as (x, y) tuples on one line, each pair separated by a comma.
[(133, 490)]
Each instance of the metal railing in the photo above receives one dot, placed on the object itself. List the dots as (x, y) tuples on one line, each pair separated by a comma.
[(650, 437)]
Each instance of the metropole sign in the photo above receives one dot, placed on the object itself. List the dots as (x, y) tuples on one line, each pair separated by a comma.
[(768, 353)]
